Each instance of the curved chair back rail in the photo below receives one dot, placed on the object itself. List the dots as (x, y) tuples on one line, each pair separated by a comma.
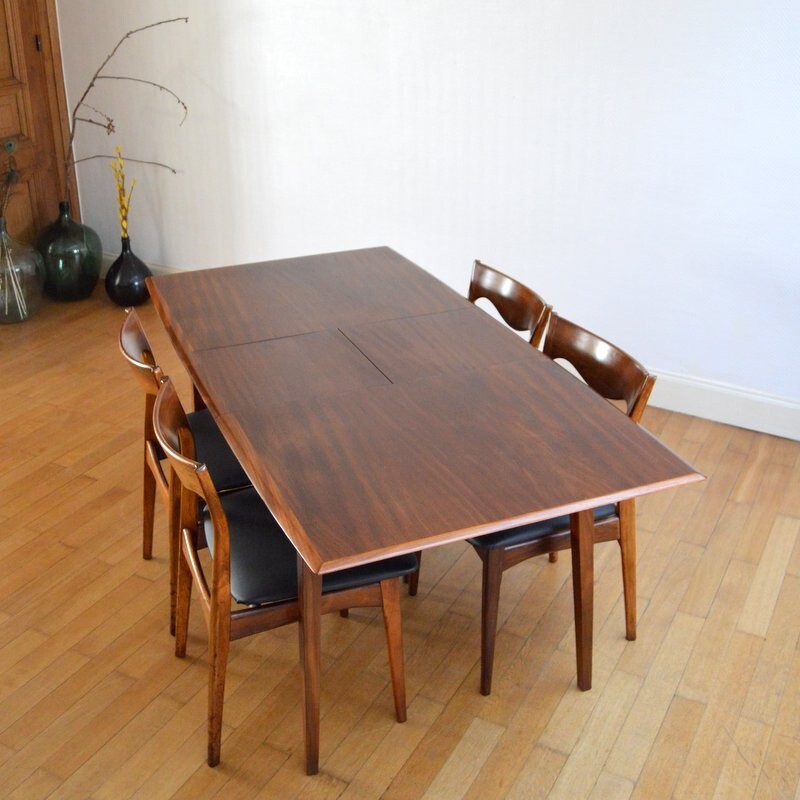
[(520, 307), (135, 349), (606, 368)]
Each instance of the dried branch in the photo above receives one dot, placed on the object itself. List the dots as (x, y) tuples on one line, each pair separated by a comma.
[(7, 182), (70, 160), (107, 126), (133, 160), (99, 113), (149, 83)]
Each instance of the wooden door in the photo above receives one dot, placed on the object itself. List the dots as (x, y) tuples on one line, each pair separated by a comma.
[(32, 112)]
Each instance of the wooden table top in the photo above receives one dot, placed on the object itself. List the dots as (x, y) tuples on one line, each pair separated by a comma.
[(378, 412)]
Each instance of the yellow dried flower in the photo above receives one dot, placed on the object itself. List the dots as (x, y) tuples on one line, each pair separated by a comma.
[(123, 199)]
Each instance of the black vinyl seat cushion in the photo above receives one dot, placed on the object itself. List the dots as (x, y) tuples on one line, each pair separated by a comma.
[(213, 451), (264, 561), (528, 533)]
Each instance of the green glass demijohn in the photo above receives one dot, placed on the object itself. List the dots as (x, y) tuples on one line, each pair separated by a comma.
[(21, 278), (72, 256)]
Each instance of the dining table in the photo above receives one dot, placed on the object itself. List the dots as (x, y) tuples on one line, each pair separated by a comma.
[(377, 412)]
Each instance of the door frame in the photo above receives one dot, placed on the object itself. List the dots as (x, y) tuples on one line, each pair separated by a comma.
[(57, 96)]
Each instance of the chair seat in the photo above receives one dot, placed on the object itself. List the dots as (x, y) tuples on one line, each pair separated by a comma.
[(528, 533), (213, 451), (264, 561)]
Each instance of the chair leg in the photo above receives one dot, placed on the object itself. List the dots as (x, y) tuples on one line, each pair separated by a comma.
[(148, 510), (173, 521), (219, 642), (413, 578), (492, 576), (184, 596), (390, 601), (627, 546)]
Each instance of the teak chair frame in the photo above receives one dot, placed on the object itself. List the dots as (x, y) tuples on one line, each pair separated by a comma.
[(136, 350), (615, 375), (520, 307), (224, 623)]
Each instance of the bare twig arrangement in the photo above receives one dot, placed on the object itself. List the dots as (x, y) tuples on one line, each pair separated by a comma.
[(9, 179), (10, 284), (103, 120)]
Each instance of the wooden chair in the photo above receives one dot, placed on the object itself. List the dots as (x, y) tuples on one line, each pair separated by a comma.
[(616, 376), (255, 564), (520, 307), (211, 448)]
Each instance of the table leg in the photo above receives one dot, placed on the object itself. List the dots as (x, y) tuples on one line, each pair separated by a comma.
[(309, 592), (582, 541)]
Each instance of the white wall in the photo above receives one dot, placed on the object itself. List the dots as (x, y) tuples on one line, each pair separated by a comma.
[(637, 163)]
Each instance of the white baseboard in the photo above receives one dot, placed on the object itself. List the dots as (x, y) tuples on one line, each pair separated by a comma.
[(733, 405)]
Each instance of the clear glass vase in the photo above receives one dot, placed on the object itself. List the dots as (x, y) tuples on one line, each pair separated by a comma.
[(21, 278)]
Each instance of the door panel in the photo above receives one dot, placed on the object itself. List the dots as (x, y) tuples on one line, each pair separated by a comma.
[(31, 113)]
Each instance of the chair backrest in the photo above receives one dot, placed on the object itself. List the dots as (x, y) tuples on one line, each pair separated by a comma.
[(175, 438), (520, 307), (611, 372), (137, 352)]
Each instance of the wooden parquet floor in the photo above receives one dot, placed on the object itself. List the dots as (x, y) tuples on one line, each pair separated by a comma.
[(93, 704)]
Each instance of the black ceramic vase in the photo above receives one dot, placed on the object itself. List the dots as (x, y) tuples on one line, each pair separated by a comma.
[(72, 256), (125, 278)]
